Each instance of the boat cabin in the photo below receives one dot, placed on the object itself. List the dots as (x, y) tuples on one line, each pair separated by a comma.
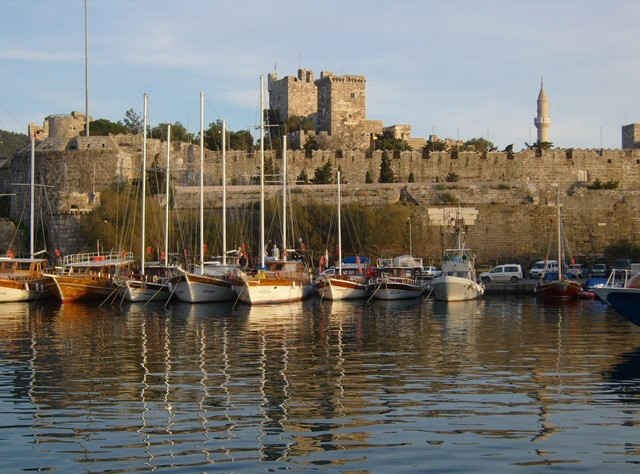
[(21, 266)]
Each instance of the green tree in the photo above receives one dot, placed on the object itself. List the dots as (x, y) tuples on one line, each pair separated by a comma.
[(386, 172), (539, 146), (103, 127), (303, 178), (435, 146), (241, 140), (213, 136), (386, 141), (299, 122), (323, 174), (368, 178), (178, 132), (480, 145), (11, 142), (132, 121), (311, 144)]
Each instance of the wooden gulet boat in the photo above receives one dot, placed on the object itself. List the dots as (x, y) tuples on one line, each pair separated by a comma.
[(280, 280), (153, 281), (89, 276), (22, 279), (207, 283), (346, 284)]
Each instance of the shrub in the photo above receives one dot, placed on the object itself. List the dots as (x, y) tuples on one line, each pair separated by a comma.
[(451, 177), (368, 178), (597, 184)]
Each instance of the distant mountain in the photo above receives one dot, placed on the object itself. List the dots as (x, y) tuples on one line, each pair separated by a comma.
[(11, 142)]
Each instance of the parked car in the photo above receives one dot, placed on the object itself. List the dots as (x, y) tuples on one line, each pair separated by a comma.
[(509, 272), (599, 270), (575, 270), (541, 267), (431, 272)]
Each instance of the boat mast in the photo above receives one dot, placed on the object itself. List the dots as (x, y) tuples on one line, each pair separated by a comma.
[(560, 262), (202, 183), (224, 192), (144, 179), (284, 197), (32, 193), (86, 67), (261, 172), (166, 207), (410, 238), (339, 228)]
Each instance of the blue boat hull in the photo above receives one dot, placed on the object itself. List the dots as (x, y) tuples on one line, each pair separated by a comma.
[(626, 301)]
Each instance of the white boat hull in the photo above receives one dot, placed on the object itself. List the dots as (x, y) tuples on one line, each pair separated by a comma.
[(338, 289), (13, 295), (603, 292), (138, 291), (278, 292), (452, 288), (203, 289)]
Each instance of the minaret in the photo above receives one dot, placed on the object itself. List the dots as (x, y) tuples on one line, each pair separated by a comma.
[(542, 120)]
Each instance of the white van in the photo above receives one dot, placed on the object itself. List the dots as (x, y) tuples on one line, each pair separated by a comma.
[(543, 266), (510, 272)]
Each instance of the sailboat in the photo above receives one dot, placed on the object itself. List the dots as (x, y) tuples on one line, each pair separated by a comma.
[(22, 279), (349, 282), (458, 280), (279, 280), (152, 283), (557, 286), (208, 282)]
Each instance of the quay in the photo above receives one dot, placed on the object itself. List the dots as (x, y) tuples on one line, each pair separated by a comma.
[(521, 287)]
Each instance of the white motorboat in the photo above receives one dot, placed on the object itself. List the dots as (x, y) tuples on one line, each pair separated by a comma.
[(397, 278), (458, 279)]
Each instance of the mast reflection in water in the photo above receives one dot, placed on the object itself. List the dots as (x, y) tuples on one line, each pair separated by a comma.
[(401, 385)]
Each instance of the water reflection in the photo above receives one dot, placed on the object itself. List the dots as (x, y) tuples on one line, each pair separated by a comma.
[(344, 385)]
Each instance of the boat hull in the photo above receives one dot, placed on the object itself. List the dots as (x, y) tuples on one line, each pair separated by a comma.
[(194, 288), (561, 290), (82, 288), (269, 291), (397, 291), (12, 291), (340, 289), (626, 301), (136, 291), (452, 288)]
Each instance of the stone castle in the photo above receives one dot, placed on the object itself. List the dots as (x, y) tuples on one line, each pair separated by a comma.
[(337, 105), (512, 189)]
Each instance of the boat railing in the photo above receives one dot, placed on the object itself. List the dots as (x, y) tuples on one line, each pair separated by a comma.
[(393, 279), (96, 258), (619, 278)]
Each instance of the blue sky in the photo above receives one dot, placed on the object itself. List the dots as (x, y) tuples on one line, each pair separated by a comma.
[(456, 68)]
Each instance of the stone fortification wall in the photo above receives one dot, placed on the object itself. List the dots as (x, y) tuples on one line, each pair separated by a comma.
[(93, 168), (513, 221)]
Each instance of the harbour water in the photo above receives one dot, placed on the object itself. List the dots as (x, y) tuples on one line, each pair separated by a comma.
[(495, 385)]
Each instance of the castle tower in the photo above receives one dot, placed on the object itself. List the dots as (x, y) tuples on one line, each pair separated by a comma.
[(542, 121), (293, 95), (341, 102)]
